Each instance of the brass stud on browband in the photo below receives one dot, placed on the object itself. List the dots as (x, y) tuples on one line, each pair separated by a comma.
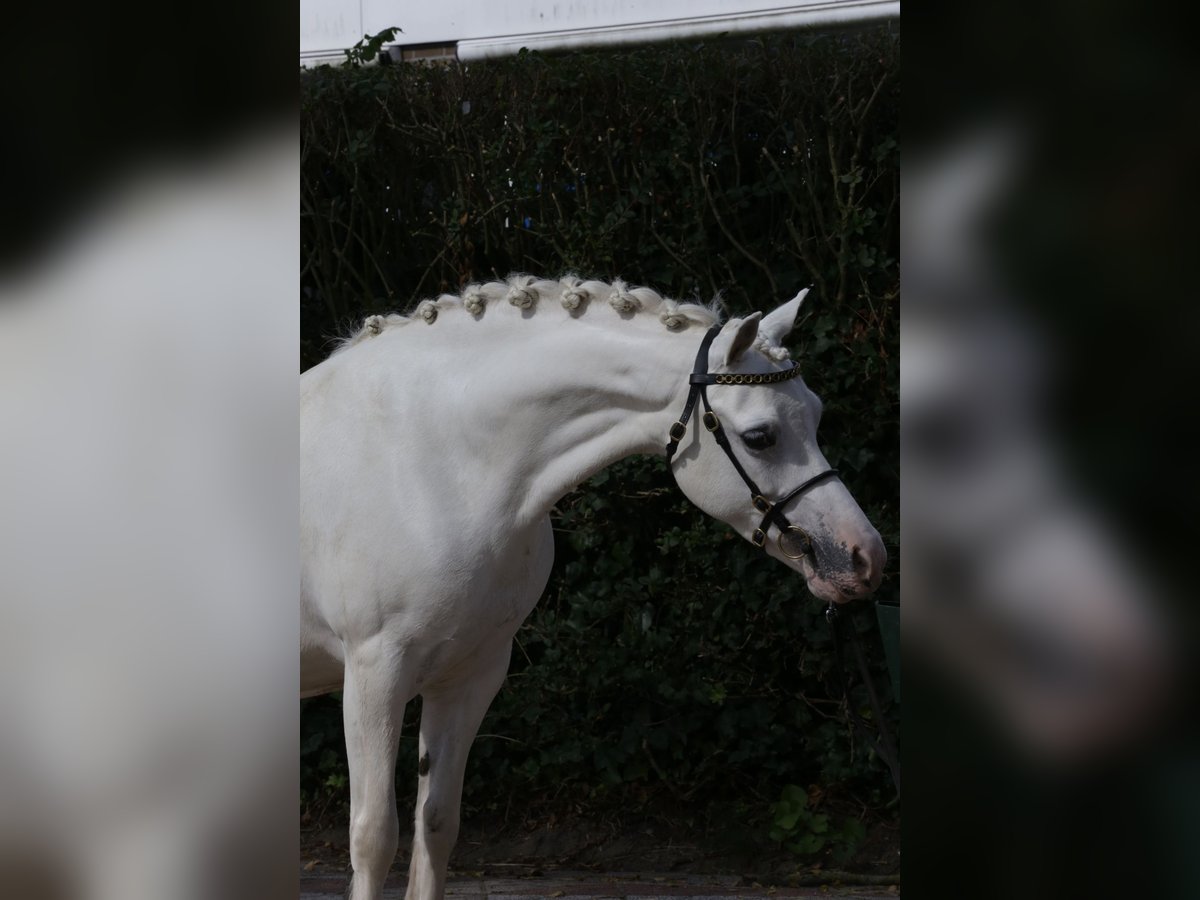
[(768, 378)]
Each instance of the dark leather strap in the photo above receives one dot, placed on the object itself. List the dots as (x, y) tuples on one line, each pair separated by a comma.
[(722, 440), (774, 515), (699, 381)]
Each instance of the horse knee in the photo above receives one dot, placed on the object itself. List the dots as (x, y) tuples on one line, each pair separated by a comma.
[(438, 820), (374, 836), (431, 817)]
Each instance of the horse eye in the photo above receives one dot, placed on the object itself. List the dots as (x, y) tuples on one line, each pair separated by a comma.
[(758, 438)]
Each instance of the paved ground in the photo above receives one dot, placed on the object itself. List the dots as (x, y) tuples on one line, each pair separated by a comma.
[(588, 886)]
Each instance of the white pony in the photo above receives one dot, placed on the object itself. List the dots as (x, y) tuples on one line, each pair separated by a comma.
[(433, 448)]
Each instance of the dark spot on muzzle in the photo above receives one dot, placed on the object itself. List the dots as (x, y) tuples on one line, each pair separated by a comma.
[(423, 765), (834, 563), (832, 560)]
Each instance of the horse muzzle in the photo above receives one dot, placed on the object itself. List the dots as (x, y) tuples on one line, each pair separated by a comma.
[(846, 567)]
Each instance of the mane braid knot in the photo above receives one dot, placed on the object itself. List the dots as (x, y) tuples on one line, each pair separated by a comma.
[(521, 293), (573, 294), (474, 300), (622, 300), (671, 316), (772, 351), (427, 310)]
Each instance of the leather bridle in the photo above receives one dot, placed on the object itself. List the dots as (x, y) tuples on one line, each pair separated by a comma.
[(772, 510)]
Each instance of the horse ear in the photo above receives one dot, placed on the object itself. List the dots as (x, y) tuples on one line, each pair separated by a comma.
[(778, 323), (743, 340)]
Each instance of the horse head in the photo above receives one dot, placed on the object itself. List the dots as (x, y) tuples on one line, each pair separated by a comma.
[(751, 459)]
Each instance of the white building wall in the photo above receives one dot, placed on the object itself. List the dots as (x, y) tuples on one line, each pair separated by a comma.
[(483, 29)]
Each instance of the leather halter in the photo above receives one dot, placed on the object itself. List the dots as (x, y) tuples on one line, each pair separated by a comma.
[(772, 511)]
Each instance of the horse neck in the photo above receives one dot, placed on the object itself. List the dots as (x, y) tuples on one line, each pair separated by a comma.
[(577, 399)]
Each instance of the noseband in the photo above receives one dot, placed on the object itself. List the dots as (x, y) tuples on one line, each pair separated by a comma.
[(772, 511)]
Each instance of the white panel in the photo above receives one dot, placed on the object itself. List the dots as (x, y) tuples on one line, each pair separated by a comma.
[(455, 20), (503, 26), (828, 14), (330, 25)]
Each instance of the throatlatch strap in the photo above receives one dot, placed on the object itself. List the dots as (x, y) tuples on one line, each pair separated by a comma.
[(699, 379)]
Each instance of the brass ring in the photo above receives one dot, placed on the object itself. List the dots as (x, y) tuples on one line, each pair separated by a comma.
[(807, 542)]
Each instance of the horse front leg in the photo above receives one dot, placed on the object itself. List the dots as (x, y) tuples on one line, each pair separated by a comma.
[(450, 718), (373, 698)]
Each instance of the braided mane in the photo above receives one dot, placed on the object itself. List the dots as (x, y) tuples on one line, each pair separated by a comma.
[(529, 292)]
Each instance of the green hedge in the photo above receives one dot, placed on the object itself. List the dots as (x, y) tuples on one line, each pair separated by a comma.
[(668, 657)]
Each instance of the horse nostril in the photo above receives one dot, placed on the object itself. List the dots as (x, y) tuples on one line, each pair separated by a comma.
[(864, 567)]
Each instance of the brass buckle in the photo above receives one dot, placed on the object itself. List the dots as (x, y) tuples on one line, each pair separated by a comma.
[(678, 431), (807, 542), (711, 422), (761, 503), (758, 538)]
